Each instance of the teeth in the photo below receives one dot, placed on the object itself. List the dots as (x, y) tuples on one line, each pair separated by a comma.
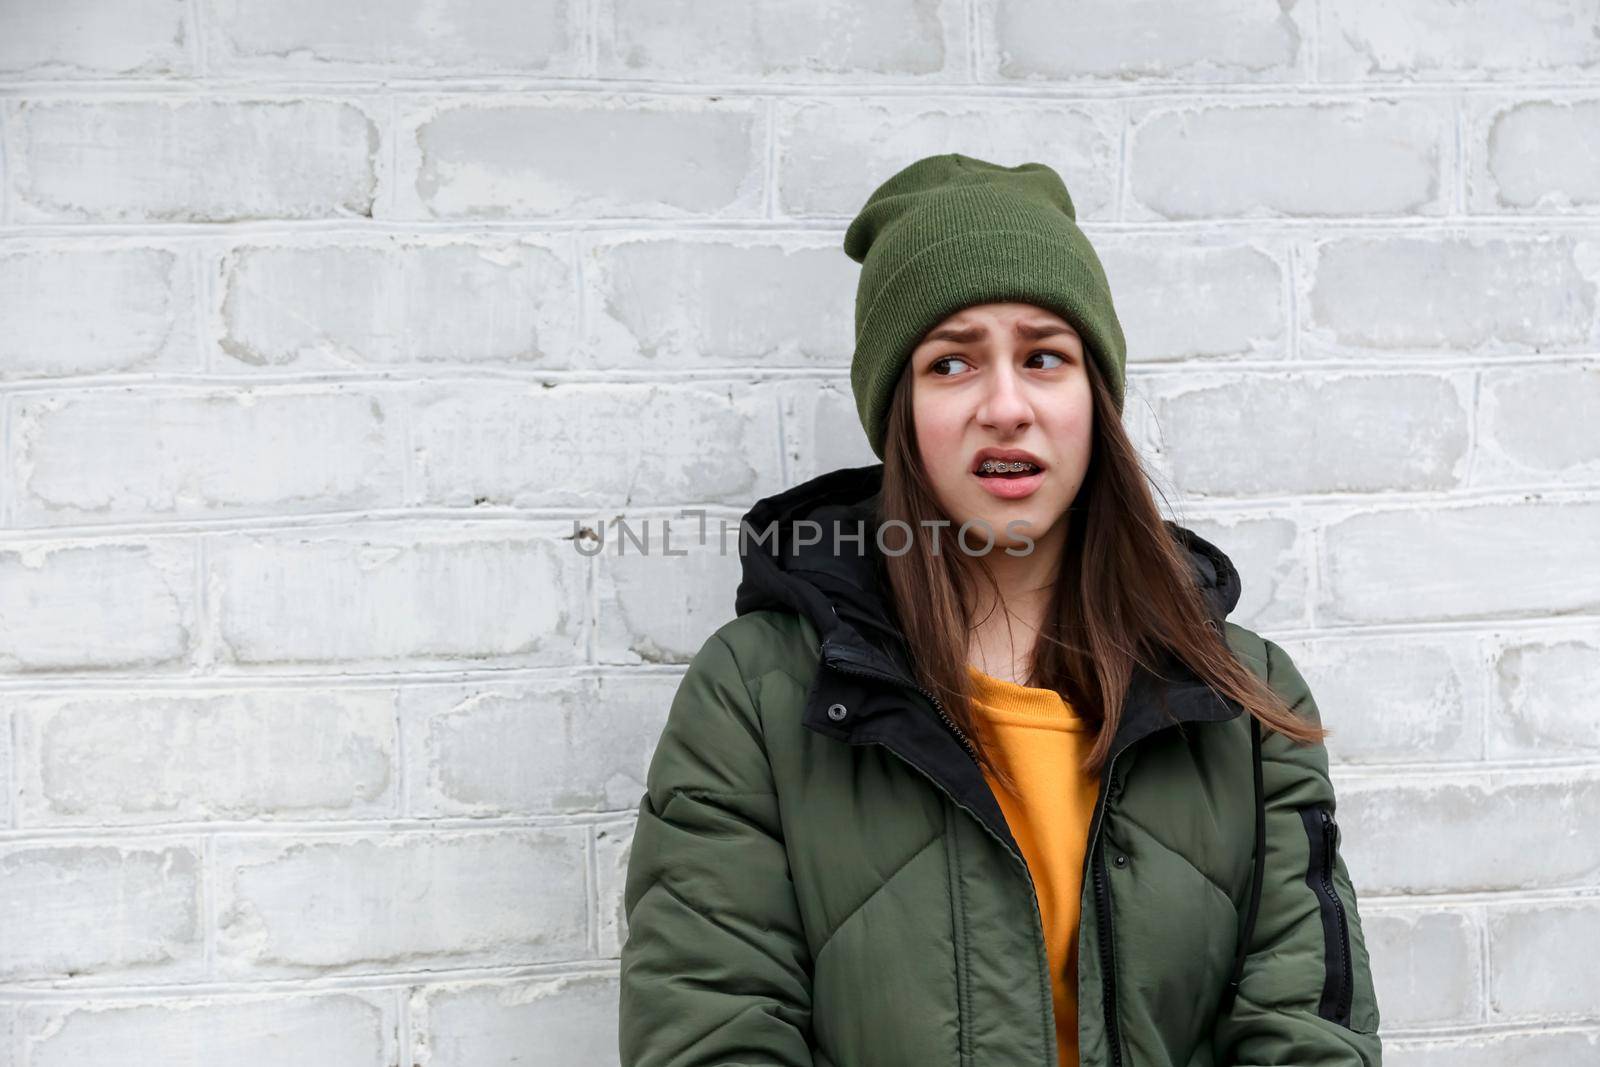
[(1002, 466)]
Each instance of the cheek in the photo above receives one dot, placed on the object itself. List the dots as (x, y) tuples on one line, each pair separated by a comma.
[(1073, 421), (941, 444), (939, 433), (1082, 430), (1072, 431)]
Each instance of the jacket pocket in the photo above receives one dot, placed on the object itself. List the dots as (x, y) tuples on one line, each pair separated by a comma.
[(1338, 983)]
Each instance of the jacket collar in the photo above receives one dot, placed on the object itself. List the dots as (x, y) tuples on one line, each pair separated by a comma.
[(789, 564)]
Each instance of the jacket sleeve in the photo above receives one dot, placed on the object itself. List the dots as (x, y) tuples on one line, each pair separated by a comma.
[(1305, 995), (715, 968)]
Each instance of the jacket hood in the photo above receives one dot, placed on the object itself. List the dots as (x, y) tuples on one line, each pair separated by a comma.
[(789, 562)]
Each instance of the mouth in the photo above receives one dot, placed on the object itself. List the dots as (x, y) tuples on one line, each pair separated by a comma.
[(1009, 475), (1007, 464), (1016, 468)]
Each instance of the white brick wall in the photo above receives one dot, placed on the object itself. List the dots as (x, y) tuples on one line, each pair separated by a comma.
[(319, 326)]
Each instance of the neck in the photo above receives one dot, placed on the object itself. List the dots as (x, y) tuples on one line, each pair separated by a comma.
[(1006, 624)]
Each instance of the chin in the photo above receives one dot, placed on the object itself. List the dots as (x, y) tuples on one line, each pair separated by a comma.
[(1038, 516)]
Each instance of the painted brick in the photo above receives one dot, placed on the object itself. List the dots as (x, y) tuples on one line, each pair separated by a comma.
[(1537, 426), (1285, 159), (1544, 959), (87, 38), (890, 40), (180, 453), (660, 304), (446, 596), (1404, 432), (564, 157), (82, 309), (1543, 708), (1419, 563), (1450, 295), (57, 592), (97, 758), (540, 1022), (533, 748), (1471, 831), (414, 301), (350, 1028), (1535, 155), (833, 152), (1179, 302), (141, 900), (583, 445), (294, 39), (1438, 39), (400, 901), (1242, 41), (183, 160)]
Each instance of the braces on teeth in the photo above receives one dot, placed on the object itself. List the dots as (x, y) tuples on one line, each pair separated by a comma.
[(1001, 466)]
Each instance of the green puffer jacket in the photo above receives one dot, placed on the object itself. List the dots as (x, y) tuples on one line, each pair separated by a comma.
[(821, 875)]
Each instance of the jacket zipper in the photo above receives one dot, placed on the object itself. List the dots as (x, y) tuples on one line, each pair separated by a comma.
[(1108, 974), (850, 667), (1329, 858)]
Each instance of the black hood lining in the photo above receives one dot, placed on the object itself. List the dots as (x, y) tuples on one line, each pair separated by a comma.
[(842, 593)]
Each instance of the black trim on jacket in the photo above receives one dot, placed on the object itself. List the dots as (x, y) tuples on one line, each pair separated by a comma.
[(1339, 979)]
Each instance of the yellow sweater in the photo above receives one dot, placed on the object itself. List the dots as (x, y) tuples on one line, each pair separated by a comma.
[(1042, 742)]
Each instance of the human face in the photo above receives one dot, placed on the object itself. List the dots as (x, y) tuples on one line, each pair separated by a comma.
[(1008, 377)]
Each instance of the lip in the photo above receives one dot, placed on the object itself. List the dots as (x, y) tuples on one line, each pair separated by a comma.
[(1009, 488), (1012, 488)]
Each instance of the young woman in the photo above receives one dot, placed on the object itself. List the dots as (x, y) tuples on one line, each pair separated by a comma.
[(980, 774)]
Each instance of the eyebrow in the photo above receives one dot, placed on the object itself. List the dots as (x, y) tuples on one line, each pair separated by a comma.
[(967, 335)]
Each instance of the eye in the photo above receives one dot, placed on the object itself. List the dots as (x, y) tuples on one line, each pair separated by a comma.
[(942, 361), (1053, 355)]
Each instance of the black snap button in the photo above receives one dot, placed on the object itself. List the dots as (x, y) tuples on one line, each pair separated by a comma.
[(837, 712), (1121, 861)]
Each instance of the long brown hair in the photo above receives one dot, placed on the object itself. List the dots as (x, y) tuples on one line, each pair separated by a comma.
[(1125, 591)]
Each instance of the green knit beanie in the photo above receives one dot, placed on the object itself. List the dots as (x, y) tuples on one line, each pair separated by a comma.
[(950, 231)]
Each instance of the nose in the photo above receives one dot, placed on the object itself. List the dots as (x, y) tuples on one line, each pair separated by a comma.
[(1005, 408)]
